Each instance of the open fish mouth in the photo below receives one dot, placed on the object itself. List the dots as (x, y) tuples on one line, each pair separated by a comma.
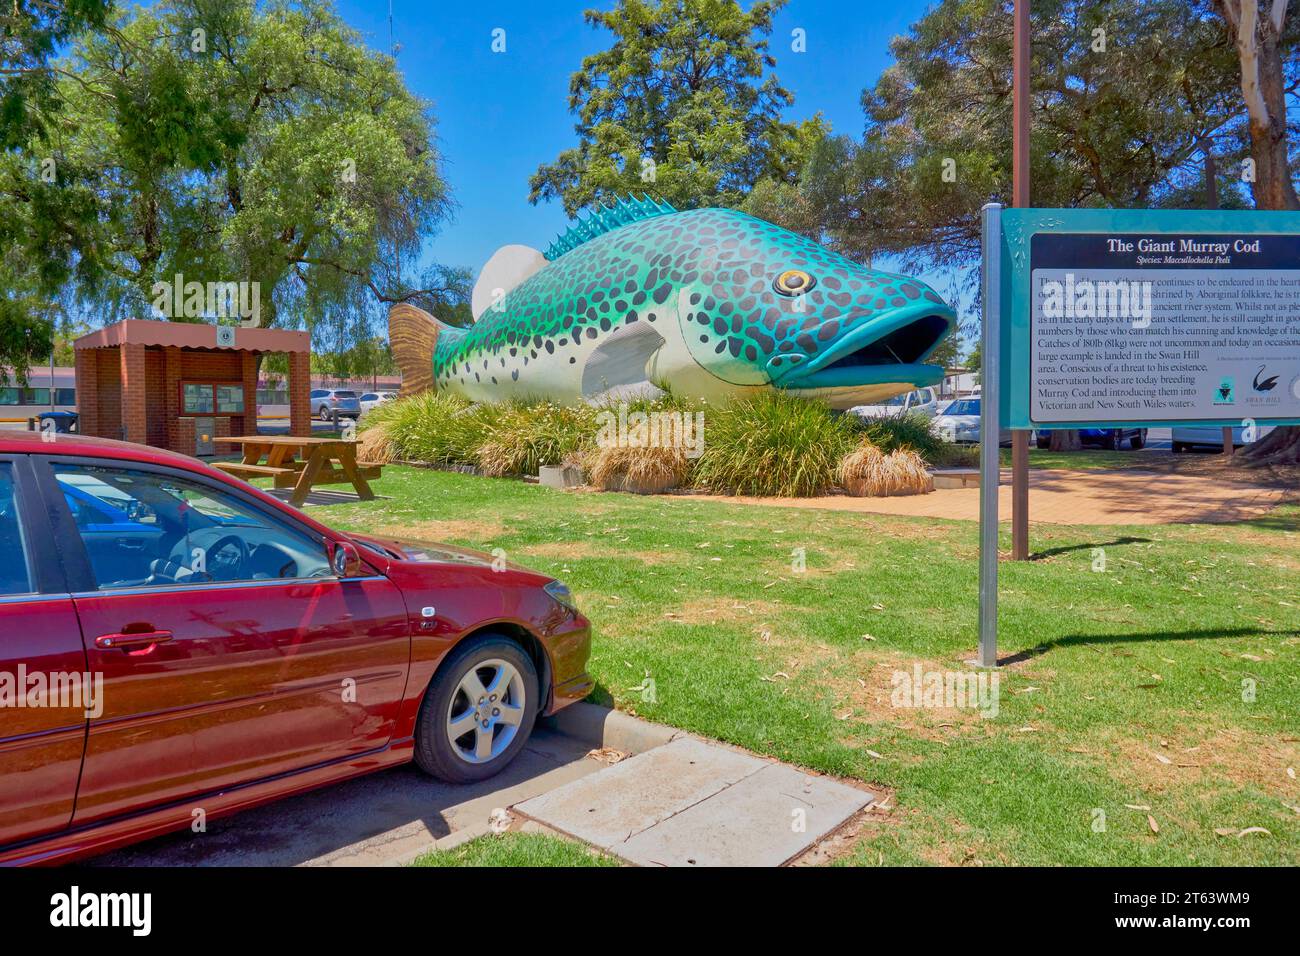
[(889, 349)]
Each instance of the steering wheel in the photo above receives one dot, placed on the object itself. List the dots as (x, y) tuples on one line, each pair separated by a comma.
[(221, 568)]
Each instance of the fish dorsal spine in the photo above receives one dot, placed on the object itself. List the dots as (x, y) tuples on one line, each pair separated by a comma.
[(604, 218)]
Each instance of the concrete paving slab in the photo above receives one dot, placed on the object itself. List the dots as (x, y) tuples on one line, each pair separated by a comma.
[(765, 819), (619, 802), (381, 819)]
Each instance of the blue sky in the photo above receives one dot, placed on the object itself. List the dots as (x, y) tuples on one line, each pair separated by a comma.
[(501, 115)]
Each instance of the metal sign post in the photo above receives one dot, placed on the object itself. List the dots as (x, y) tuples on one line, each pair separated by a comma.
[(990, 430)]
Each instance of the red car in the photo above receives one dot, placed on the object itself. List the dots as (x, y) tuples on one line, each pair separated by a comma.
[(177, 645)]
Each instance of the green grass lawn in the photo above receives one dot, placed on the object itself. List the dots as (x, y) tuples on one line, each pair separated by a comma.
[(1129, 697), (1087, 458), (516, 849)]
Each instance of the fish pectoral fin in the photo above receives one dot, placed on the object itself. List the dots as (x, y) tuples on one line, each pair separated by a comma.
[(508, 266), (624, 358)]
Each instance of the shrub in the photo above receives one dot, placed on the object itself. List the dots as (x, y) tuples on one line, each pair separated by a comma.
[(869, 471), (519, 438), (435, 427), (892, 432), (773, 444)]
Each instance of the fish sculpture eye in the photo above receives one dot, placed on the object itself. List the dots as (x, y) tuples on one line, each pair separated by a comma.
[(793, 282)]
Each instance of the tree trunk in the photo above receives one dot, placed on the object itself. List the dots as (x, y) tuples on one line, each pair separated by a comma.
[(1258, 42), (1066, 440)]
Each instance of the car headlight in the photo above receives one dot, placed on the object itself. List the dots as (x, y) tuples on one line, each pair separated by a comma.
[(560, 592)]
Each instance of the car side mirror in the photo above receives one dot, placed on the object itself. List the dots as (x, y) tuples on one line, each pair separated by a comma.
[(347, 560)]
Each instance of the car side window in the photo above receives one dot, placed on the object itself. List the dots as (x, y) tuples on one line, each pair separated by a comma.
[(15, 577), (144, 529)]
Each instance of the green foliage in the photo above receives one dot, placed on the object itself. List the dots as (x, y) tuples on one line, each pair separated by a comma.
[(231, 140), (685, 90), (773, 444), (911, 431), (436, 427), (519, 437), (516, 849), (1117, 127), (32, 31)]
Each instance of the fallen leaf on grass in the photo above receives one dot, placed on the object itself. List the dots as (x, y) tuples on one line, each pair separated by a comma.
[(872, 753), (1162, 758), (1137, 806), (1151, 822)]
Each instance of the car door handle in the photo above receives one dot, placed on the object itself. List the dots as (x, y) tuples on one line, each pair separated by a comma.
[(109, 642)]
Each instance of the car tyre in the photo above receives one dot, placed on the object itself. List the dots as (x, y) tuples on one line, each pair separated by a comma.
[(1179, 447), (1043, 441), (490, 663), (1138, 440)]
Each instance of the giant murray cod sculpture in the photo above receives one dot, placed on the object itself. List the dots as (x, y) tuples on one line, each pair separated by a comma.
[(712, 303)]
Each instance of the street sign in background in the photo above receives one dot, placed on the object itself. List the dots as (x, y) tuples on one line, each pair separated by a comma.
[(1147, 318)]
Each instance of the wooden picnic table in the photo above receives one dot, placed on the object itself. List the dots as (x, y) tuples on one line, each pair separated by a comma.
[(301, 463)]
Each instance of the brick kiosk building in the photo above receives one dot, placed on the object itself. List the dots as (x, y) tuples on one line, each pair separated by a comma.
[(180, 385)]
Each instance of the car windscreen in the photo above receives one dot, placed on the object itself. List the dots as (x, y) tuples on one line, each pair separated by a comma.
[(965, 406)]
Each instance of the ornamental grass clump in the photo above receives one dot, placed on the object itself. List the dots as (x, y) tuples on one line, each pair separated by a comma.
[(637, 466), (869, 472), (773, 444), (518, 438)]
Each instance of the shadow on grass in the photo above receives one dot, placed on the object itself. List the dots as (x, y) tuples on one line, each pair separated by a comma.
[(600, 696), (1053, 552), (1071, 640)]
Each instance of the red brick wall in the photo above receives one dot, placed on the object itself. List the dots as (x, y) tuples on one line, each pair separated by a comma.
[(182, 436), (109, 380), (135, 393), (247, 423), (155, 376), (87, 366), (300, 393)]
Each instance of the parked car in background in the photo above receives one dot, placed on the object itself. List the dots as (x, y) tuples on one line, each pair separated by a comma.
[(204, 636), (1185, 438), (920, 401), (960, 422), (1112, 438), (371, 400), (326, 401)]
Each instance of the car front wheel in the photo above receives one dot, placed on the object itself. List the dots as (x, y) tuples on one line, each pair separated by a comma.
[(478, 712)]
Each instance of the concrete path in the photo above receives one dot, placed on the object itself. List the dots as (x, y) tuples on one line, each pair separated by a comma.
[(695, 803), (1059, 496), (382, 819)]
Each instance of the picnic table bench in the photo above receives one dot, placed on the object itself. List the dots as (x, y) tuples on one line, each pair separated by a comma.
[(302, 463)]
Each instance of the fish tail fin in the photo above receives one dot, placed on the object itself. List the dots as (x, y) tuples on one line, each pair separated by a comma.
[(413, 336)]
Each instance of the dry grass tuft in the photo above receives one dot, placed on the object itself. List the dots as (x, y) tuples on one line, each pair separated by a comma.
[(375, 444), (867, 471), (641, 470)]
